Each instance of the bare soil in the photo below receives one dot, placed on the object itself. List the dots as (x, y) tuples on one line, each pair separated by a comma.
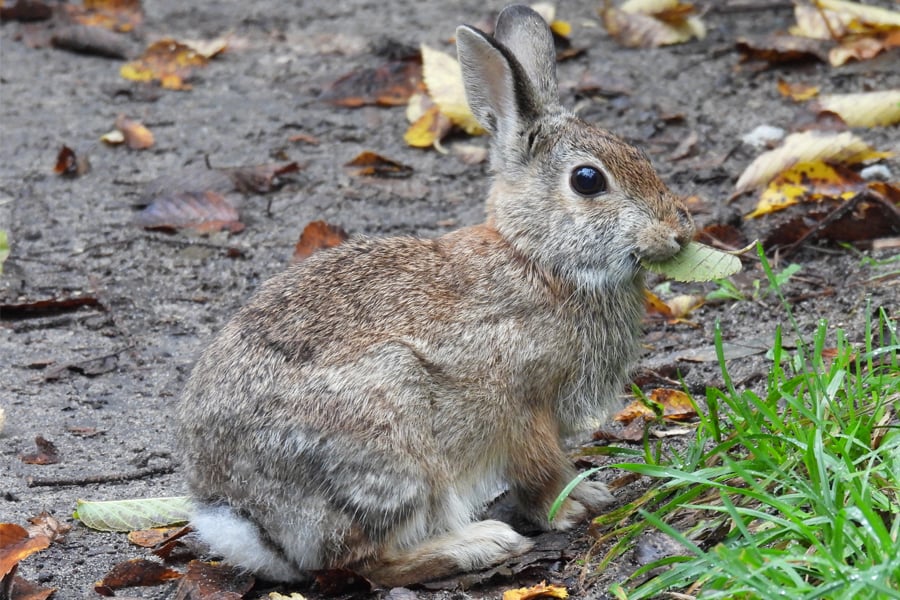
[(117, 366)]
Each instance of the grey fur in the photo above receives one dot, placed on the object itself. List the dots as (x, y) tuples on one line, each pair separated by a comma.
[(364, 405)]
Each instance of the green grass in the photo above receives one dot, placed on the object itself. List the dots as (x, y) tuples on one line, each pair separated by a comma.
[(794, 493)]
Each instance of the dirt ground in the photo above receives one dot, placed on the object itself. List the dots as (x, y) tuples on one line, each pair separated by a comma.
[(116, 367)]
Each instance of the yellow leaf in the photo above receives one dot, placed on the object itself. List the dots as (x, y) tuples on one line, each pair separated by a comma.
[(136, 72), (443, 78), (843, 19), (542, 590), (166, 60), (808, 146), (867, 109), (799, 92), (804, 182), (428, 129), (561, 28)]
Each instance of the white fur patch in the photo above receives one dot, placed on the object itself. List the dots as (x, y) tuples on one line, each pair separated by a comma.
[(237, 541)]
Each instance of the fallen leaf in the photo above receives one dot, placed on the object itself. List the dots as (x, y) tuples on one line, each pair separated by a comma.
[(873, 213), (46, 454), (207, 48), (135, 135), (94, 41), (48, 526), (671, 404), (113, 138), (204, 212), (429, 129), (696, 262), (862, 48), (809, 181), (148, 538), (69, 164), (15, 544), (731, 351), (443, 79), (137, 572), (129, 515), (866, 109), (291, 596), (541, 590), (167, 61), (116, 15), (798, 92), (723, 236), (259, 179), (390, 84), (470, 154), (781, 48), (370, 164), (318, 235), (652, 23), (806, 147), (213, 581), (837, 19), (25, 590), (26, 11)]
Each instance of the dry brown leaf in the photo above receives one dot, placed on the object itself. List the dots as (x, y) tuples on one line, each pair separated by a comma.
[(318, 235), (48, 526), (46, 453), (15, 544), (137, 572), (167, 61), (541, 590), (204, 212), (25, 11), (370, 164), (866, 109), (25, 590), (259, 179), (798, 92), (781, 48), (70, 164), (390, 84), (806, 147), (148, 538), (213, 581)]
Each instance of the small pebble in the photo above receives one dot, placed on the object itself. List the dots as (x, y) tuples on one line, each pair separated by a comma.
[(763, 136), (876, 173)]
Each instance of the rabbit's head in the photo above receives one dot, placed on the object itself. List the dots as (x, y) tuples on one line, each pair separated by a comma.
[(577, 200)]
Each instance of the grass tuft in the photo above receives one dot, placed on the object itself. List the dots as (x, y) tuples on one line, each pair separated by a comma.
[(794, 493)]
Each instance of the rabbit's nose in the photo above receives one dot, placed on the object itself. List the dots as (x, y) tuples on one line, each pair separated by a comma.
[(660, 242)]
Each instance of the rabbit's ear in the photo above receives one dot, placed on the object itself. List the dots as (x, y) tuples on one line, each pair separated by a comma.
[(526, 35), (511, 79)]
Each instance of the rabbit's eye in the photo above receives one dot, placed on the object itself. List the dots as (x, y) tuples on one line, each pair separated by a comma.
[(588, 181)]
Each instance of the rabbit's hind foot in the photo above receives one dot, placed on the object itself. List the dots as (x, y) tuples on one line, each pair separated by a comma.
[(473, 547)]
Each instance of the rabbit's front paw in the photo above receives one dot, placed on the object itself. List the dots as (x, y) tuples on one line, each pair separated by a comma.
[(592, 494), (568, 515)]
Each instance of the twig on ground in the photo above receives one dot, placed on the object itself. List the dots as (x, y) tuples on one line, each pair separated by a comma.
[(105, 478)]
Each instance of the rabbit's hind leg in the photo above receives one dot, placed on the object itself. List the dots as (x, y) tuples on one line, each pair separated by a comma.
[(473, 547)]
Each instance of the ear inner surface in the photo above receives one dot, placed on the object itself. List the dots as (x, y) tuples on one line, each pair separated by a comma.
[(526, 35), (488, 79)]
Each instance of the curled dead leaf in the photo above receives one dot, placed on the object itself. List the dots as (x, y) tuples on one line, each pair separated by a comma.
[(116, 15), (16, 544), (46, 453), (370, 164), (318, 235), (671, 404), (70, 164), (213, 581), (135, 135)]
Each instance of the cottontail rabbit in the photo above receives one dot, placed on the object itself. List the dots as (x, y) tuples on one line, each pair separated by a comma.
[(366, 403)]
